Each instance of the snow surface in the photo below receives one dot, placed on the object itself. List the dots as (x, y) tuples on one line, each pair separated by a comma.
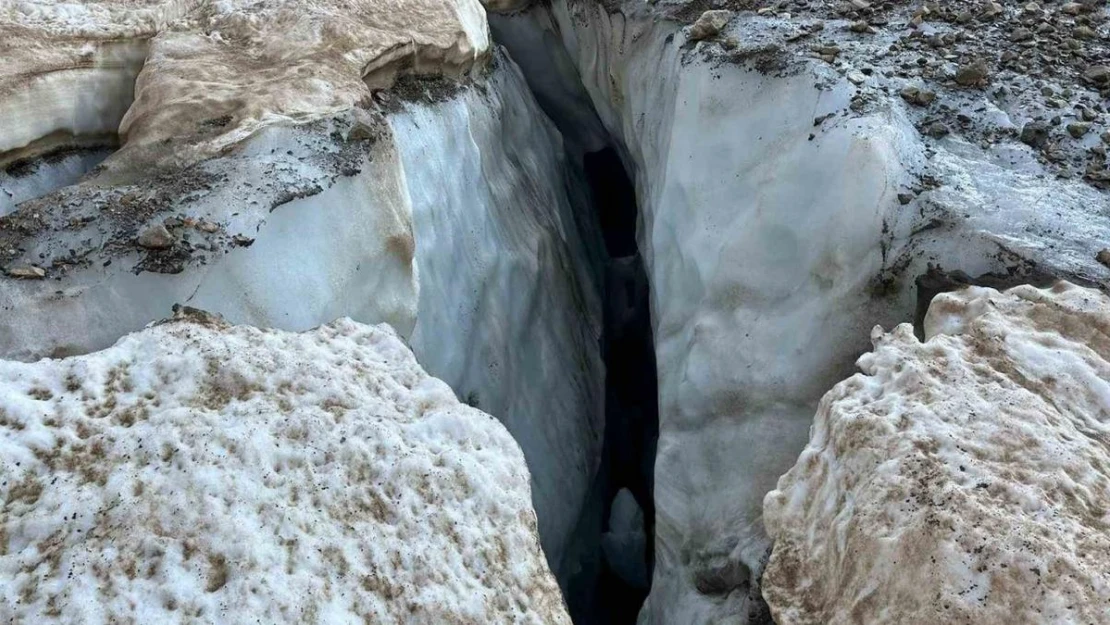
[(963, 479), (201, 472), (255, 63)]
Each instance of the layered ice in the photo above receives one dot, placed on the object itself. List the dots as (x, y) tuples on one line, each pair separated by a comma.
[(782, 215), (313, 160), (965, 478), (202, 472), (212, 73)]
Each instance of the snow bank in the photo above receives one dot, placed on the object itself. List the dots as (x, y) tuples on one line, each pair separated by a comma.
[(963, 479), (198, 471)]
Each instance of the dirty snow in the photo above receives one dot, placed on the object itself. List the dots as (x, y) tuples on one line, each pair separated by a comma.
[(963, 479), (201, 472)]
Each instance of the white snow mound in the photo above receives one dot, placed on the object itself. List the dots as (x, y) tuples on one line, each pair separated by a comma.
[(206, 473), (965, 479)]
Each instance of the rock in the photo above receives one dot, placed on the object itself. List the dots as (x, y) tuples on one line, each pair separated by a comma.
[(1085, 32), (709, 24), (992, 10), (862, 27), (973, 73), (939, 467), (1105, 136), (936, 130), (1078, 129), (1098, 75), (27, 272), (330, 450), (1072, 8), (156, 237), (1035, 134), (856, 77), (917, 96), (1103, 257)]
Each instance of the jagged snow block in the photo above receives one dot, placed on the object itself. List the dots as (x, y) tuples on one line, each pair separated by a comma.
[(965, 479), (202, 472)]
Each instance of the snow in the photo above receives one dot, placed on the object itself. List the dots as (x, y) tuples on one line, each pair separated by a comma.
[(451, 224), (773, 244), (962, 479), (203, 472), (255, 63)]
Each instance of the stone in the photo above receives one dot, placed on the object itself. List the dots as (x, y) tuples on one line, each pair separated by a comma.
[(973, 73), (28, 272), (936, 130), (918, 96), (1035, 134), (156, 237), (1098, 74), (1078, 129), (1085, 32), (1103, 256), (709, 24)]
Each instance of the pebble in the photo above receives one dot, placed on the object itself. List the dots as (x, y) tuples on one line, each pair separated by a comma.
[(917, 96), (1078, 129), (971, 74), (1103, 257), (936, 130), (1035, 134), (1098, 74), (156, 237), (709, 24), (29, 272)]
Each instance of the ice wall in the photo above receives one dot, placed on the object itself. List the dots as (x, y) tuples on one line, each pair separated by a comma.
[(444, 216), (775, 237)]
